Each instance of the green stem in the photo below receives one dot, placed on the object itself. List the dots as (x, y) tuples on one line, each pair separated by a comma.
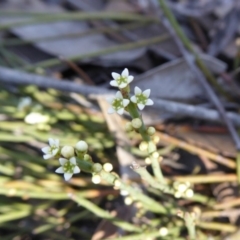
[(104, 214), (142, 171), (133, 111), (79, 16), (118, 48), (112, 29), (188, 45), (148, 202)]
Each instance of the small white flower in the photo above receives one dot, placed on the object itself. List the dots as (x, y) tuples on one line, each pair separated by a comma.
[(122, 80), (141, 98), (118, 103), (68, 167), (52, 150)]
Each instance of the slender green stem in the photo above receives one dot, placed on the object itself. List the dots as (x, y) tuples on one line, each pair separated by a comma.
[(133, 111), (142, 171), (122, 47), (79, 16), (112, 29), (104, 214), (188, 45), (148, 202)]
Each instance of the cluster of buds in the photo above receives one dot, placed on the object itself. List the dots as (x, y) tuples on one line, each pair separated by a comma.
[(67, 156), (121, 100), (182, 190)]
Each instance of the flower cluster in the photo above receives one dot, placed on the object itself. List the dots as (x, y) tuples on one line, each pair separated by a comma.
[(67, 155), (119, 103)]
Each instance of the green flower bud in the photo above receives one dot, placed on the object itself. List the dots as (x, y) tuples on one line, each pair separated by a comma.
[(128, 127), (87, 157), (81, 146), (97, 167), (67, 152), (151, 131), (136, 123)]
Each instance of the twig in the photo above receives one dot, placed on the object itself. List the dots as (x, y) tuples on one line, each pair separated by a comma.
[(174, 29), (194, 111), (176, 33), (12, 76)]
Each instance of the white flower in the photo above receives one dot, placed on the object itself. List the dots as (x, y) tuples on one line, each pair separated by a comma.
[(52, 150), (141, 98), (68, 167), (118, 103), (122, 80)]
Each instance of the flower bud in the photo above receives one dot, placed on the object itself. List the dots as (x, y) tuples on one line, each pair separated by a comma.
[(67, 152), (81, 146), (128, 127), (96, 179), (136, 123), (97, 167), (87, 157), (143, 146), (151, 131), (108, 167)]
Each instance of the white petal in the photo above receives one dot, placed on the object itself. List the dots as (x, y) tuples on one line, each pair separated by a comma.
[(114, 83), (59, 170), (46, 149), (51, 141), (76, 169), (130, 78), (133, 99), (119, 94), (110, 99), (147, 93), (111, 110), (125, 72), (122, 85), (56, 142), (120, 111), (67, 176), (137, 90), (141, 106), (125, 102), (62, 161), (47, 156), (55, 151), (149, 102), (115, 75), (73, 160)]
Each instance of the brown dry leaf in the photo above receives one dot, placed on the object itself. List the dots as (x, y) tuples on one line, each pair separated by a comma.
[(175, 81), (215, 142)]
